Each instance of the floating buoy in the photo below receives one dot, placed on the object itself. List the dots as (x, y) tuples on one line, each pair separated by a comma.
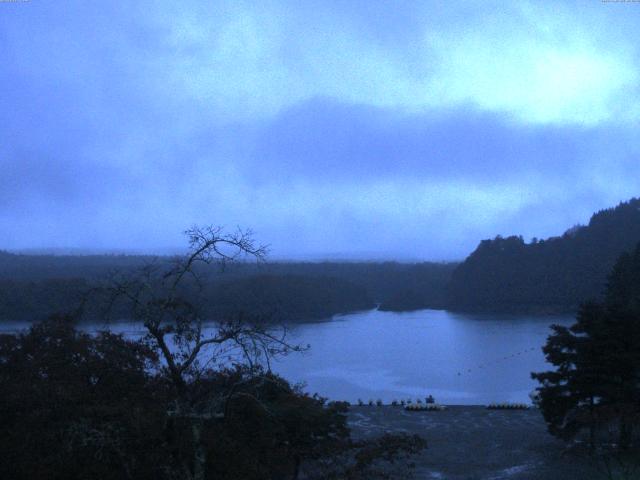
[(499, 360)]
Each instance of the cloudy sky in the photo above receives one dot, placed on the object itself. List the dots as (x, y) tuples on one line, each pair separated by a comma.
[(406, 130)]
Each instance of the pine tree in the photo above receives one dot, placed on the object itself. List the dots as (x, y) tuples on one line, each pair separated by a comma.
[(597, 376)]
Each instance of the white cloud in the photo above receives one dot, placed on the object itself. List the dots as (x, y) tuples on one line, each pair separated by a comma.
[(539, 64)]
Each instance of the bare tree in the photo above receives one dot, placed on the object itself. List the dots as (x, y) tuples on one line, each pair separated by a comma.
[(167, 298)]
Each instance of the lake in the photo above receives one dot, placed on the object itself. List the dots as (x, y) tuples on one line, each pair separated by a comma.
[(457, 358)]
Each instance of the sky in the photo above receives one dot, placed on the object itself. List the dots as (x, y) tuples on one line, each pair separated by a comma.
[(332, 129)]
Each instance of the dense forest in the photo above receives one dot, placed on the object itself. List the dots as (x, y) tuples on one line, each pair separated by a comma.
[(553, 275), (33, 287), (394, 286), (504, 274)]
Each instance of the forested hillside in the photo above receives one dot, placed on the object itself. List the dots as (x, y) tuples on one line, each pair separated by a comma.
[(553, 275), (395, 286), (287, 298), (35, 286), (503, 274)]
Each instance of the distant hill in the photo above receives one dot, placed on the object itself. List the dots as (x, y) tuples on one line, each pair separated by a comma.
[(44, 267), (287, 298), (546, 276), (395, 286), (34, 286)]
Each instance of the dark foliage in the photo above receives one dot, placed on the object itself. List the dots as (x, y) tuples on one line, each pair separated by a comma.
[(596, 382), (270, 428), (76, 406), (553, 275), (287, 297), (37, 300), (387, 283), (410, 299), (34, 287), (52, 267)]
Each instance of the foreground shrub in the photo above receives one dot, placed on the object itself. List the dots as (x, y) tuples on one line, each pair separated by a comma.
[(80, 406)]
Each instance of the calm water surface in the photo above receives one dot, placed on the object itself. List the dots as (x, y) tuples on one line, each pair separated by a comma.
[(457, 358)]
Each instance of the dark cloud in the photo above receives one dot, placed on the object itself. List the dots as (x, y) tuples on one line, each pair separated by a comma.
[(338, 140)]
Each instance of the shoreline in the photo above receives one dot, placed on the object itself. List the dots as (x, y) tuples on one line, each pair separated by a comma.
[(473, 442)]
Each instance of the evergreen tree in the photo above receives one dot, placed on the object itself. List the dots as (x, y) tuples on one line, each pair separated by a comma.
[(597, 376), (552, 275)]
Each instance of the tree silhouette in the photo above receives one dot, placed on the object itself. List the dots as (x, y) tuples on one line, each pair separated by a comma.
[(167, 299), (597, 377)]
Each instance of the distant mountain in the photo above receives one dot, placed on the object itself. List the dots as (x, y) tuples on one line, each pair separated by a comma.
[(553, 275)]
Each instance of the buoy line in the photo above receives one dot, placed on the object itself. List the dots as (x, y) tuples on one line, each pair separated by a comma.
[(499, 360)]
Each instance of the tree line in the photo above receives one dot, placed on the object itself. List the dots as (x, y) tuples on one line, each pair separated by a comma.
[(182, 402), (594, 388), (33, 287), (502, 275), (546, 276)]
